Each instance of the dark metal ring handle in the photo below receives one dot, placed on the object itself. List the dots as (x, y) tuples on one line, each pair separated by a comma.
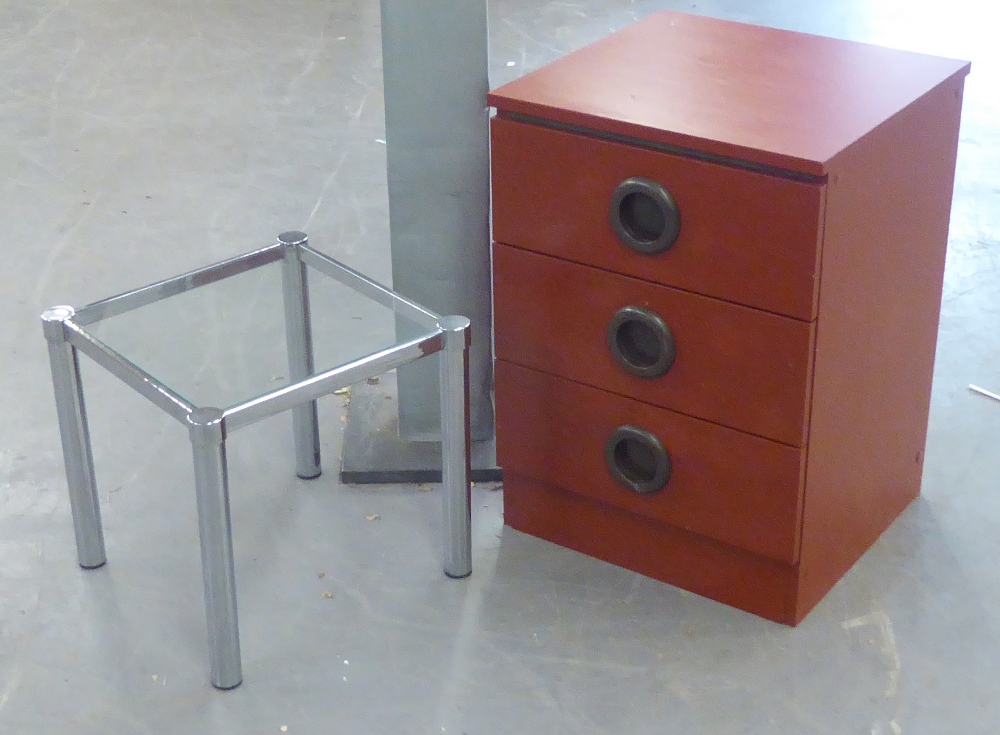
[(645, 216), (641, 342), (637, 459)]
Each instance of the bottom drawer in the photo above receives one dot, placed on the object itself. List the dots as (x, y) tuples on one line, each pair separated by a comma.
[(729, 575), (685, 472)]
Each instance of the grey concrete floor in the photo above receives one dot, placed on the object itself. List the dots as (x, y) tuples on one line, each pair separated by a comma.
[(141, 139)]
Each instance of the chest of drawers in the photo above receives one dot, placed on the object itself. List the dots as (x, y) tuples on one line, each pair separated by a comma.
[(718, 259)]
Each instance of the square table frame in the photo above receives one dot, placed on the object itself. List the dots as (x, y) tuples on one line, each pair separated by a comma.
[(65, 331)]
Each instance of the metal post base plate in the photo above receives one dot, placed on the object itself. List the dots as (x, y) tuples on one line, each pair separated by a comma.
[(375, 455)]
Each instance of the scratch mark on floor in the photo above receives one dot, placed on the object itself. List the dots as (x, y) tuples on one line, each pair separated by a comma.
[(322, 192), (54, 253), (16, 48), (528, 37), (12, 682), (888, 647)]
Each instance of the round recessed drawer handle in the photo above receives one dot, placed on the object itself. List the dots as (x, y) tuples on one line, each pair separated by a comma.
[(641, 342), (645, 216), (637, 459)]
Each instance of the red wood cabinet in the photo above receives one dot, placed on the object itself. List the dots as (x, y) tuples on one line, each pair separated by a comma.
[(717, 273)]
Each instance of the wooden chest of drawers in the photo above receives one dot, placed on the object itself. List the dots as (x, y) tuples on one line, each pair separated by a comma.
[(717, 273)]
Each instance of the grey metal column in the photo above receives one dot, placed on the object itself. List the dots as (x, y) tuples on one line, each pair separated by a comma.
[(298, 336), (455, 457), (208, 439), (77, 456), (435, 67)]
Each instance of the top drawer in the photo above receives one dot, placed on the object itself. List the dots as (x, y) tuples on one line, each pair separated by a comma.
[(744, 236)]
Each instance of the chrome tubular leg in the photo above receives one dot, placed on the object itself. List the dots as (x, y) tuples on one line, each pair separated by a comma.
[(208, 439), (455, 457), (298, 335), (77, 457)]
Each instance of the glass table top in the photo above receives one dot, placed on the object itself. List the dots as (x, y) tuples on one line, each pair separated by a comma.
[(223, 343)]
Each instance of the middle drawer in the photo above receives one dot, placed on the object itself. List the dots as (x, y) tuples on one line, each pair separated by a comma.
[(732, 365)]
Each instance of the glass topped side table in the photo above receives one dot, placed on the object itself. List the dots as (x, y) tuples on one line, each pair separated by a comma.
[(157, 326)]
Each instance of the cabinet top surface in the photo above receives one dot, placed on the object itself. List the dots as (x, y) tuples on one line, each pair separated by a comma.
[(768, 96)]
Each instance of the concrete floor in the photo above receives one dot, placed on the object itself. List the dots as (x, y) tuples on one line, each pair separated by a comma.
[(141, 139)]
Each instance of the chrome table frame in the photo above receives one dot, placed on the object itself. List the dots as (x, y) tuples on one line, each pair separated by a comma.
[(65, 330)]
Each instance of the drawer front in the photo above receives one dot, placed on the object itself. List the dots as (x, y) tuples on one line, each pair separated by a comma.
[(723, 484), (743, 236), (740, 367), (751, 582)]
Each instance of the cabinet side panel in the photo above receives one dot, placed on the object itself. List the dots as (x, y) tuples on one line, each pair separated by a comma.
[(886, 231)]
